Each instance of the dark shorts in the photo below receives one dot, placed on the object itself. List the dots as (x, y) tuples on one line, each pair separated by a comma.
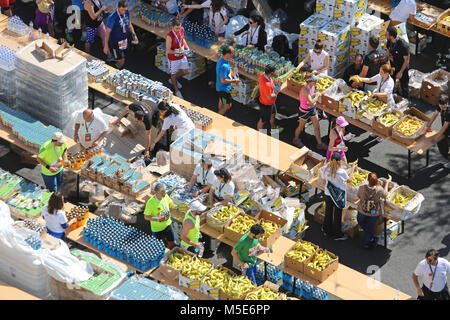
[(166, 235), (265, 111), (307, 115), (116, 53), (225, 97)]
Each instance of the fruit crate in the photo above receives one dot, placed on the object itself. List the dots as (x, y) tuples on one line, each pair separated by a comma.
[(349, 107), (224, 295), (294, 85), (269, 286), (169, 271), (233, 235), (324, 274), (442, 24), (213, 292), (412, 112), (184, 281), (295, 264), (352, 191), (381, 128), (270, 217), (413, 203), (215, 224)]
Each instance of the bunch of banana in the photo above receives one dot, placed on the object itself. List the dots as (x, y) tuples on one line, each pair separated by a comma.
[(195, 269), (409, 125), (323, 84), (247, 204), (389, 119), (359, 176), (269, 228), (355, 78), (301, 251), (218, 278), (299, 76), (321, 260), (402, 198), (177, 260), (447, 19), (355, 97), (375, 105), (241, 224), (239, 286), (226, 212), (263, 293)]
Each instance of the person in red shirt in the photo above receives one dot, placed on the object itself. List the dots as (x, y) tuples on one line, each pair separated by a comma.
[(267, 98), (5, 6), (176, 48)]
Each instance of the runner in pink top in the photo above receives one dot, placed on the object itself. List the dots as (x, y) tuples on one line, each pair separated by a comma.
[(307, 110)]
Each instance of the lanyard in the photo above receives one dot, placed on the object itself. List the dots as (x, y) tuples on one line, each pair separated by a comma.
[(251, 35), (178, 40), (204, 175), (220, 188), (56, 153), (87, 127), (433, 274), (381, 83), (165, 208), (122, 22), (268, 79)]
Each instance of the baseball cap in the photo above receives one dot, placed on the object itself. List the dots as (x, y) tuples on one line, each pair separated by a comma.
[(58, 137), (197, 206), (312, 78), (206, 159), (336, 156), (341, 121), (222, 173)]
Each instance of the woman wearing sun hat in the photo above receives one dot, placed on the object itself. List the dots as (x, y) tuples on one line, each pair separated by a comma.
[(337, 138)]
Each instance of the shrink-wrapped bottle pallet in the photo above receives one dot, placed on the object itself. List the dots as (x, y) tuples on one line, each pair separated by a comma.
[(50, 90), (7, 76)]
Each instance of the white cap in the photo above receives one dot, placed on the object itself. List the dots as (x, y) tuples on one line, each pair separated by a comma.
[(197, 206), (58, 137)]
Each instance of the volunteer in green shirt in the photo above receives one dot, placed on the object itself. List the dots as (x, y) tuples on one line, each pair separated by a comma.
[(245, 251), (50, 157), (190, 234), (157, 211)]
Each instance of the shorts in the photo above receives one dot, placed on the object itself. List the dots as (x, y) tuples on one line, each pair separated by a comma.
[(225, 97), (307, 115), (166, 235), (116, 53), (265, 111), (41, 20), (92, 32), (177, 65)]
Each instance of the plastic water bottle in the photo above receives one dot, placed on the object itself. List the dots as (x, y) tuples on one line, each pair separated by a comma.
[(200, 252), (397, 295)]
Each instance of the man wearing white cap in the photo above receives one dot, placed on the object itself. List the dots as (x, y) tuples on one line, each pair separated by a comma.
[(50, 157), (190, 234)]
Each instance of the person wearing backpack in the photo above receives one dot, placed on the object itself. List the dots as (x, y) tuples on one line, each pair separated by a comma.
[(370, 207)]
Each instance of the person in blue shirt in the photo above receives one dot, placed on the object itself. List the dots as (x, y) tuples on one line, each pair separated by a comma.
[(224, 79), (118, 27)]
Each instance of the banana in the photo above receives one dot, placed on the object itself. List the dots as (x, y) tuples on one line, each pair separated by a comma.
[(241, 223), (269, 228), (375, 105), (409, 125), (323, 84), (263, 293), (321, 260), (359, 176), (177, 260), (355, 97), (218, 278), (239, 286), (401, 198), (301, 251), (389, 119), (226, 212), (195, 269)]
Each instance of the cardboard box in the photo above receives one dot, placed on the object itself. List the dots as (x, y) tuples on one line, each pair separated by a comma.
[(233, 235), (209, 291), (381, 128), (273, 287), (305, 163), (319, 213), (225, 296), (294, 85), (442, 25), (295, 264), (324, 274), (392, 230), (192, 284), (433, 85), (333, 102), (168, 271), (413, 112), (268, 216), (348, 108), (216, 224), (310, 26)]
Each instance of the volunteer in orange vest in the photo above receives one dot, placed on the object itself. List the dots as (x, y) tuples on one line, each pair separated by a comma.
[(176, 48)]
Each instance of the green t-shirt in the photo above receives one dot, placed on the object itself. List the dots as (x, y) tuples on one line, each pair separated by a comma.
[(48, 154), (153, 207), (247, 249)]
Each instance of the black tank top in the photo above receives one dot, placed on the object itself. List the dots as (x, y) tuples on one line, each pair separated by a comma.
[(94, 23)]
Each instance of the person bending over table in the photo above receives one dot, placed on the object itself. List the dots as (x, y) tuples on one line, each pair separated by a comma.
[(442, 138), (308, 98), (217, 15), (406, 9), (190, 233), (55, 217), (90, 130), (222, 190), (50, 157), (148, 115), (157, 211), (245, 250), (256, 33), (203, 176), (371, 207), (385, 84), (173, 117)]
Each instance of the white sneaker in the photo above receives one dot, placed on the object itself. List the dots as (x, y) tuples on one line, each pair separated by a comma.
[(178, 84), (447, 165), (179, 95)]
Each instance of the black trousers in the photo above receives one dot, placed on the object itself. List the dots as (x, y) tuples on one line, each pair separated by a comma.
[(333, 216), (430, 295), (443, 147), (404, 84)]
